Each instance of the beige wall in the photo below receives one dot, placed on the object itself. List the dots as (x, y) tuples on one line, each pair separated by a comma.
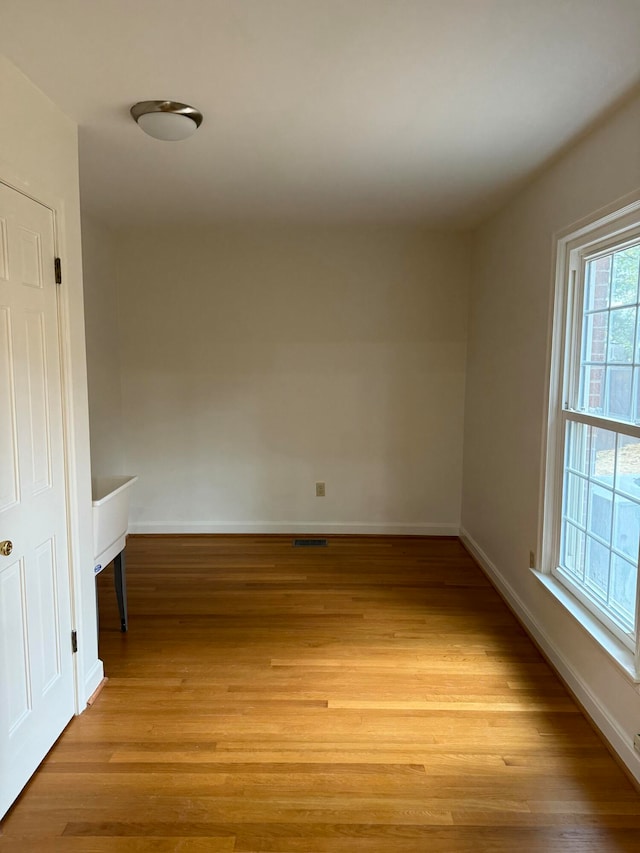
[(103, 351), (257, 362), (38, 154), (505, 401)]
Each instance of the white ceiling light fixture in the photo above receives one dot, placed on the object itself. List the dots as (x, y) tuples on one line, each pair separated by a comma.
[(167, 120)]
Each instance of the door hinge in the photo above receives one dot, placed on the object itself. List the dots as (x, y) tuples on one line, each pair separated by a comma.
[(74, 642), (57, 265)]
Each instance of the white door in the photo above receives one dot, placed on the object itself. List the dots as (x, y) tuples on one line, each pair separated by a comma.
[(36, 662)]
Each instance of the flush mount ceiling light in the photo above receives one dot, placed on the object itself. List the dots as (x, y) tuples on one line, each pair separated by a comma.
[(167, 120)]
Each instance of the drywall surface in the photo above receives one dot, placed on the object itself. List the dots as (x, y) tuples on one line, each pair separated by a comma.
[(257, 362), (103, 350), (38, 154), (506, 399)]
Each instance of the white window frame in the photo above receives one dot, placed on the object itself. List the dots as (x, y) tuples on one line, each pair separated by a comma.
[(619, 225)]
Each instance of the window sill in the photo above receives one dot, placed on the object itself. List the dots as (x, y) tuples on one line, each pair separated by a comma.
[(617, 651)]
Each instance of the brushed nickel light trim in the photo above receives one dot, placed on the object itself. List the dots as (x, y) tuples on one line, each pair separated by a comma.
[(192, 118)]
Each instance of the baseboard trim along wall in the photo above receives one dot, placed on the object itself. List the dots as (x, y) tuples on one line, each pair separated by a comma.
[(599, 716), (286, 528)]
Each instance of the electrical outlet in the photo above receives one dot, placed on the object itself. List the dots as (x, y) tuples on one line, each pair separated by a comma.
[(532, 559), (320, 490), (636, 742)]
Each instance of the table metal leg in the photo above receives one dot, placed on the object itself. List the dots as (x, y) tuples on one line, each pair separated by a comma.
[(120, 578)]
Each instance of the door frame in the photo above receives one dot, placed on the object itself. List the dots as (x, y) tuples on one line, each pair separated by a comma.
[(39, 194)]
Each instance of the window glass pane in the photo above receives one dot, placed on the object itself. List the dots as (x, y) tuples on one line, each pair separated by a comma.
[(592, 389), (623, 588), (626, 526), (624, 287), (628, 466), (602, 455), (600, 508), (576, 503), (579, 447), (573, 551), (598, 274), (594, 347), (597, 568), (618, 394), (622, 333)]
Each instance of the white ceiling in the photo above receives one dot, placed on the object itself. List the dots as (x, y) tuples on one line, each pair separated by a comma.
[(323, 110)]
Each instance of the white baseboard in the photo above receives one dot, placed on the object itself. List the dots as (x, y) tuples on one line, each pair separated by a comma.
[(617, 738), (287, 528)]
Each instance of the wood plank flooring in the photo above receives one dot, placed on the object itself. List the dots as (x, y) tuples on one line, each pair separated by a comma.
[(373, 695)]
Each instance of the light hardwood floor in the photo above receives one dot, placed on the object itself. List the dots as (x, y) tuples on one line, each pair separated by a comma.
[(374, 695)]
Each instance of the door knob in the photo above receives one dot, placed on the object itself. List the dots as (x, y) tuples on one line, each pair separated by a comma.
[(6, 547)]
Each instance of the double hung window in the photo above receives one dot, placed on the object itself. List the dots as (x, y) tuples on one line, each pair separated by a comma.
[(594, 480)]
